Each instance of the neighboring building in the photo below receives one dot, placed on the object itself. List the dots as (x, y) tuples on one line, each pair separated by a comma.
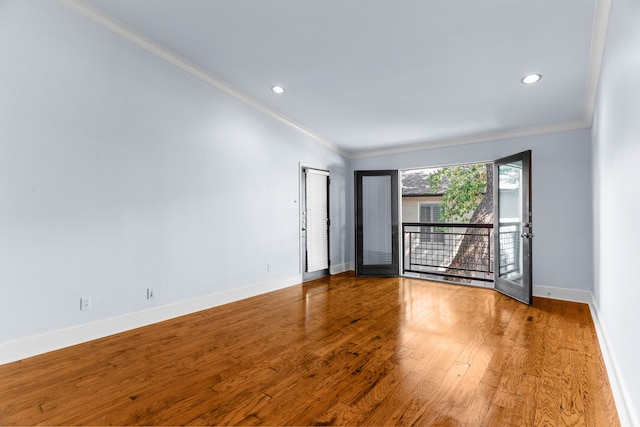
[(425, 249), (420, 202)]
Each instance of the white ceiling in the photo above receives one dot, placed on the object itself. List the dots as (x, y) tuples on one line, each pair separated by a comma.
[(375, 76)]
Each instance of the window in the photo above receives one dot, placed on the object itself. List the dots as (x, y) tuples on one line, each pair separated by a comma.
[(430, 212)]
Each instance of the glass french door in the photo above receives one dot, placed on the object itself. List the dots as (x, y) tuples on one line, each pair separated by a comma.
[(377, 244), (512, 226)]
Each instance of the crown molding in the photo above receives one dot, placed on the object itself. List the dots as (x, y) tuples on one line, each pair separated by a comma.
[(110, 23), (472, 139), (596, 56)]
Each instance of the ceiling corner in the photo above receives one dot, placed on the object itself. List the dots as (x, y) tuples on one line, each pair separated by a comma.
[(596, 55)]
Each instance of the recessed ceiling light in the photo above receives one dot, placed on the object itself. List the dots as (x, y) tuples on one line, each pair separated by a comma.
[(531, 79), (277, 89)]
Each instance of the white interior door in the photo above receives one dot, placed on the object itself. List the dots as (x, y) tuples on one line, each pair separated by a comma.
[(315, 223)]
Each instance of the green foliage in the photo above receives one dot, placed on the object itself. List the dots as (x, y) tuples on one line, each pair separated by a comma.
[(465, 188), (510, 174)]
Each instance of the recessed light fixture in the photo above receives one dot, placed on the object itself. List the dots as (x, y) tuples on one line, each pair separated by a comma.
[(531, 79), (277, 89)]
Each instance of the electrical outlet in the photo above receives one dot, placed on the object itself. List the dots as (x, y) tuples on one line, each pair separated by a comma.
[(269, 267), (85, 303), (149, 293)]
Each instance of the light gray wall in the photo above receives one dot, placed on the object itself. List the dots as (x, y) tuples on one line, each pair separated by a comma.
[(562, 203), (120, 172), (616, 145)]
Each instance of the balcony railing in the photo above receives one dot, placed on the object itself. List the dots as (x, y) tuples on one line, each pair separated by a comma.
[(510, 250), (459, 252)]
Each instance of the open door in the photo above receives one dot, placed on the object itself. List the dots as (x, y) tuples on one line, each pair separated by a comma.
[(377, 244), (315, 223), (512, 226)]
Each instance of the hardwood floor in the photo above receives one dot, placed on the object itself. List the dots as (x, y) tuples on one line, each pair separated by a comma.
[(337, 351)]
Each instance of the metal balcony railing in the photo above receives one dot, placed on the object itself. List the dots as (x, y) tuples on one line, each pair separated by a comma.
[(454, 251), (510, 250)]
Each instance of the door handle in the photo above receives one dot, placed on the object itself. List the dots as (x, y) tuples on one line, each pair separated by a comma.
[(527, 235)]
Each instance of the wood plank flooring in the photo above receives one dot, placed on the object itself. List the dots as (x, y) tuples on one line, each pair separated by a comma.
[(336, 351)]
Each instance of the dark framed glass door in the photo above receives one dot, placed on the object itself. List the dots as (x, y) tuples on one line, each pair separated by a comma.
[(513, 229), (377, 244)]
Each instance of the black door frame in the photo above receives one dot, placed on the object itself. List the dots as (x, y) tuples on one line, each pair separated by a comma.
[(520, 291), (386, 270)]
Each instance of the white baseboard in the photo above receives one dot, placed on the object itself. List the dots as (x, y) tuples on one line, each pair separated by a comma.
[(624, 404), (341, 268), (39, 344), (573, 295)]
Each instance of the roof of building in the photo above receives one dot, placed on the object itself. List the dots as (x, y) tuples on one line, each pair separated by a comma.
[(415, 183)]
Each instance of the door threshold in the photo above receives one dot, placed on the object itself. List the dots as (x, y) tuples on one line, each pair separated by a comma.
[(427, 277)]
